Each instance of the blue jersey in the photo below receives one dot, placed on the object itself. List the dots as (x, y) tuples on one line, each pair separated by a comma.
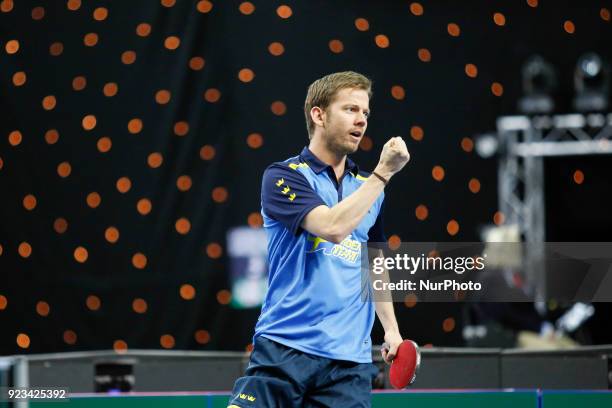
[(314, 302)]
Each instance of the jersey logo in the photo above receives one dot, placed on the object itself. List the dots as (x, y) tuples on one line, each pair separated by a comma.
[(295, 166), (280, 182), (292, 196), (247, 397), (286, 190)]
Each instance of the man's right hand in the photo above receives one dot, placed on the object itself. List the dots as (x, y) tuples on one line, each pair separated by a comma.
[(393, 157)]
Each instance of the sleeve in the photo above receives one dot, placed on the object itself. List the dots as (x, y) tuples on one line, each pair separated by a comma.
[(377, 231), (287, 197)]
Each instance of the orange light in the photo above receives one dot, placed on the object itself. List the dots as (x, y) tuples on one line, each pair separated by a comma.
[(474, 185), (366, 143), (104, 144), (381, 41), (196, 63), (134, 126), (448, 325), (139, 260), (394, 242), (467, 144), (167, 341), (278, 108), (162, 96), (452, 227), (182, 226), (421, 212), (362, 24), (569, 27), (43, 308), (168, 3), (398, 92), (187, 291), (120, 346), (60, 225), (499, 218), (15, 138), (207, 152), (246, 75), (12, 46), (212, 95), (416, 9), (144, 206), (29, 202), (437, 173), (23, 340), (219, 194), (497, 89), (204, 6), (453, 29), (24, 250), (49, 102), (202, 336), (90, 39), (424, 55), (51, 136), (284, 11), (336, 46), (254, 140), (181, 128), (172, 42), (93, 303), (110, 89), (73, 5), (246, 8), (79, 83), (139, 306), (499, 19), (111, 234), (124, 184), (183, 183), (471, 70), (410, 300), (19, 78), (276, 48), (578, 177), (89, 122), (70, 337), (100, 14), (255, 220), (56, 49), (93, 199), (224, 297), (604, 13), (154, 160), (532, 3), (81, 254), (143, 29), (38, 13), (128, 57), (214, 250), (3, 302), (417, 133)]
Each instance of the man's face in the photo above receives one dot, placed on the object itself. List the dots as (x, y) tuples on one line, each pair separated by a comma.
[(346, 120)]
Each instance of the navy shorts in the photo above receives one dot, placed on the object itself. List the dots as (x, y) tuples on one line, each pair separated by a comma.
[(280, 376)]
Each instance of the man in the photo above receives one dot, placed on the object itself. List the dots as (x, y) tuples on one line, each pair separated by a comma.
[(312, 340)]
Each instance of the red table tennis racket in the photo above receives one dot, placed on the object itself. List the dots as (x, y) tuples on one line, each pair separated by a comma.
[(405, 365)]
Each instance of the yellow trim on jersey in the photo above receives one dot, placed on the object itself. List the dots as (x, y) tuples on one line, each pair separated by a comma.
[(295, 166), (360, 177)]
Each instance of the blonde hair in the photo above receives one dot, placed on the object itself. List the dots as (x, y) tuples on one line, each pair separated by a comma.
[(321, 92)]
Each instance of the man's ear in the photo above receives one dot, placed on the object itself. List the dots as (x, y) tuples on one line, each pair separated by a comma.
[(318, 116)]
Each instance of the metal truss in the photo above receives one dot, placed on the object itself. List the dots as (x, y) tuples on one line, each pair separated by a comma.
[(523, 142)]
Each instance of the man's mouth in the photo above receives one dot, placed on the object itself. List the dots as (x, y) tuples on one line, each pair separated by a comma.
[(356, 133)]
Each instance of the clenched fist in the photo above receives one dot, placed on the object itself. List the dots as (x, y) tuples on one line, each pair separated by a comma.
[(393, 157)]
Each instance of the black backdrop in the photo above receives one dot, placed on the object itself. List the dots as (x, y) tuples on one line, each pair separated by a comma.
[(65, 286)]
